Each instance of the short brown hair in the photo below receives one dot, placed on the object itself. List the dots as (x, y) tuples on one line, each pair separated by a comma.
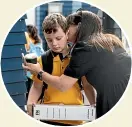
[(52, 21)]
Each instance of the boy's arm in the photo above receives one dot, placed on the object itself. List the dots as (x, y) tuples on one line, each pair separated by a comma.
[(34, 95), (34, 92)]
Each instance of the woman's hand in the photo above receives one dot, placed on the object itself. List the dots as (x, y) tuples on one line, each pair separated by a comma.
[(33, 68)]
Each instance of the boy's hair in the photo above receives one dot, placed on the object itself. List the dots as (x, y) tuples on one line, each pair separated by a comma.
[(52, 22)]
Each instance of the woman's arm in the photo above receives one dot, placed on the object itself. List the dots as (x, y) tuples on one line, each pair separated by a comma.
[(89, 91)]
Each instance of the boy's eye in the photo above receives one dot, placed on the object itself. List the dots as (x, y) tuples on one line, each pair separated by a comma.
[(58, 38), (49, 40)]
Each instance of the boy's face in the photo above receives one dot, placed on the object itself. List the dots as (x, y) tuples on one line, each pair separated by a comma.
[(57, 41)]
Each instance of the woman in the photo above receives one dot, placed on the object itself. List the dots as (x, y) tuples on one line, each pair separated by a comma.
[(101, 58)]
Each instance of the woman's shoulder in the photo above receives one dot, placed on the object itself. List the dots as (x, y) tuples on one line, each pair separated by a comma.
[(83, 46)]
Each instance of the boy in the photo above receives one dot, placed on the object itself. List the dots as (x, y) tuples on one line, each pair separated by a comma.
[(55, 32)]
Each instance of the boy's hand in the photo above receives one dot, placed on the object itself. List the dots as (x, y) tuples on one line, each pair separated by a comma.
[(30, 110), (33, 68)]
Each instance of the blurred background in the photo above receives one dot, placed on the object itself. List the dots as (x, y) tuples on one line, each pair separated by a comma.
[(36, 16), (11, 63)]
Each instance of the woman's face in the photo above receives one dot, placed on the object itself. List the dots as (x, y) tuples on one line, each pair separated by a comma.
[(72, 33)]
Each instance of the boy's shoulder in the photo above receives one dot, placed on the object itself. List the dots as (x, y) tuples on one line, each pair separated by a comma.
[(47, 61)]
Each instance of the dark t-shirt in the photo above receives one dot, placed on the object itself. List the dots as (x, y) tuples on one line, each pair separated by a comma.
[(108, 72)]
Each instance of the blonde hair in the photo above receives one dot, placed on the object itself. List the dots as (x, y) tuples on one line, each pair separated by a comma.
[(107, 41)]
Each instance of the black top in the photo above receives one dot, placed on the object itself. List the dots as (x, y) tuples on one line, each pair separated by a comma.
[(108, 72)]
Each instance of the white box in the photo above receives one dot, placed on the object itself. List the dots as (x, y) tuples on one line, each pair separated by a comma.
[(64, 112)]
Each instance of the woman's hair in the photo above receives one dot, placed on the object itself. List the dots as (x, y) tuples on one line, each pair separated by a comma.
[(33, 33), (53, 21), (90, 30)]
